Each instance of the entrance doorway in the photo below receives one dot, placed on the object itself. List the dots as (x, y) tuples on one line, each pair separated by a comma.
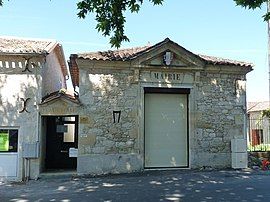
[(166, 128), (61, 136)]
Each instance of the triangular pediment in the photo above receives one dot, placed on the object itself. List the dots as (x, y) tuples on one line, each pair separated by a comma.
[(60, 102), (59, 106), (172, 59), (170, 54)]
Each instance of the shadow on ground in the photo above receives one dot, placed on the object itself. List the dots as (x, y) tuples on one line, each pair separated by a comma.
[(148, 186)]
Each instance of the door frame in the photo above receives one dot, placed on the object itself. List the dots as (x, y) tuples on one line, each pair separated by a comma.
[(44, 139), (164, 90)]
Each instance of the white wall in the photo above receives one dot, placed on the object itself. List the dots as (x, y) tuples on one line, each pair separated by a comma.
[(16, 85), (53, 79)]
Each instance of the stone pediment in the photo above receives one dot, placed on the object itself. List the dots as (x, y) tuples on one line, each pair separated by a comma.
[(169, 54), (59, 104), (167, 58)]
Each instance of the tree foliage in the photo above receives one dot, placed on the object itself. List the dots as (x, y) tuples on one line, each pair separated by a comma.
[(253, 4), (111, 20), (110, 16), (266, 113)]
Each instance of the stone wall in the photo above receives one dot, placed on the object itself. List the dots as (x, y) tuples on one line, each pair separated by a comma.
[(100, 139), (216, 113), (220, 117)]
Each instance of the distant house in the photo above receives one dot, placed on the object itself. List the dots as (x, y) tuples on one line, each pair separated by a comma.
[(30, 69), (258, 126)]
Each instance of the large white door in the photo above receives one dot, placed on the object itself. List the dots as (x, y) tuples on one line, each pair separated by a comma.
[(166, 139)]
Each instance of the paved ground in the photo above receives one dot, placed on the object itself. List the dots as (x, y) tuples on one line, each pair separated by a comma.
[(148, 186)]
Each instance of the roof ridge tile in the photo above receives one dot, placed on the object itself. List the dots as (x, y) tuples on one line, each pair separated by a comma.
[(134, 52)]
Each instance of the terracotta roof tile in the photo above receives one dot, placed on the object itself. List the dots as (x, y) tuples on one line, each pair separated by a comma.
[(15, 45), (132, 53), (58, 95), (222, 61), (117, 55), (74, 72), (21, 45)]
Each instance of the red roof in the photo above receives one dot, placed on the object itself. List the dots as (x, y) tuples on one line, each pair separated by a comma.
[(57, 95), (24, 45), (133, 53)]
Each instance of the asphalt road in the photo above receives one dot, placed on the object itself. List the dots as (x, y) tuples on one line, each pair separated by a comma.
[(177, 185)]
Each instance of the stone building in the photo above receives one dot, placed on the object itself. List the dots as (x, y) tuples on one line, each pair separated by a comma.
[(158, 106), (30, 70), (152, 107)]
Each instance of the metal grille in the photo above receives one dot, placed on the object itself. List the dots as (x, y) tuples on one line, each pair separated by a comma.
[(258, 134)]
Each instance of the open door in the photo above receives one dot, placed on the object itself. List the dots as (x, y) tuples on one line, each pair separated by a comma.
[(61, 135)]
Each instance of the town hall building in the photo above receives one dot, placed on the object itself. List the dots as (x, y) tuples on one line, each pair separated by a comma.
[(151, 107)]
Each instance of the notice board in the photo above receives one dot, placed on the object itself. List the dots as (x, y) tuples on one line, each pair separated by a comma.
[(4, 141)]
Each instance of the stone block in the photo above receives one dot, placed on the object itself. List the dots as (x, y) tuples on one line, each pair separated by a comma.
[(133, 133), (108, 143), (239, 119), (199, 133), (212, 135), (206, 88), (213, 160), (89, 140), (84, 119), (132, 114), (97, 164), (205, 125), (99, 150), (127, 125)]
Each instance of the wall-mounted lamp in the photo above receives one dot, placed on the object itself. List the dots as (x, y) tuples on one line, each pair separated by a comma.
[(116, 116)]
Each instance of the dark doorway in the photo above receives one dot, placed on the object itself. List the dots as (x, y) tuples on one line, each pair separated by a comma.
[(61, 135)]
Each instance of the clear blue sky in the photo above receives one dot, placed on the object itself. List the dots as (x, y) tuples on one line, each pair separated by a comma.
[(211, 27)]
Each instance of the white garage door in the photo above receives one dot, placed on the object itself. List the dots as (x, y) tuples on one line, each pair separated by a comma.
[(166, 140)]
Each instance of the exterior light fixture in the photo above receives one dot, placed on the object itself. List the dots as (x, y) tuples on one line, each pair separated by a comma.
[(116, 116)]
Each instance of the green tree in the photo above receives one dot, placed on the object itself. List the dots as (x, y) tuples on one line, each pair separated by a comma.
[(111, 20), (253, 4), (110, 16)]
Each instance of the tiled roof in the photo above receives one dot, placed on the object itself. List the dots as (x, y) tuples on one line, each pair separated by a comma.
[(117, 55), (58, 95), (22, 45), (222, 61), (15, 45), (74, 72), (258, 106), (132, 53)]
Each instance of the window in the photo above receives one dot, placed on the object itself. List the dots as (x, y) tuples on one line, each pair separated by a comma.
[(257, 137), (8, 140)]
